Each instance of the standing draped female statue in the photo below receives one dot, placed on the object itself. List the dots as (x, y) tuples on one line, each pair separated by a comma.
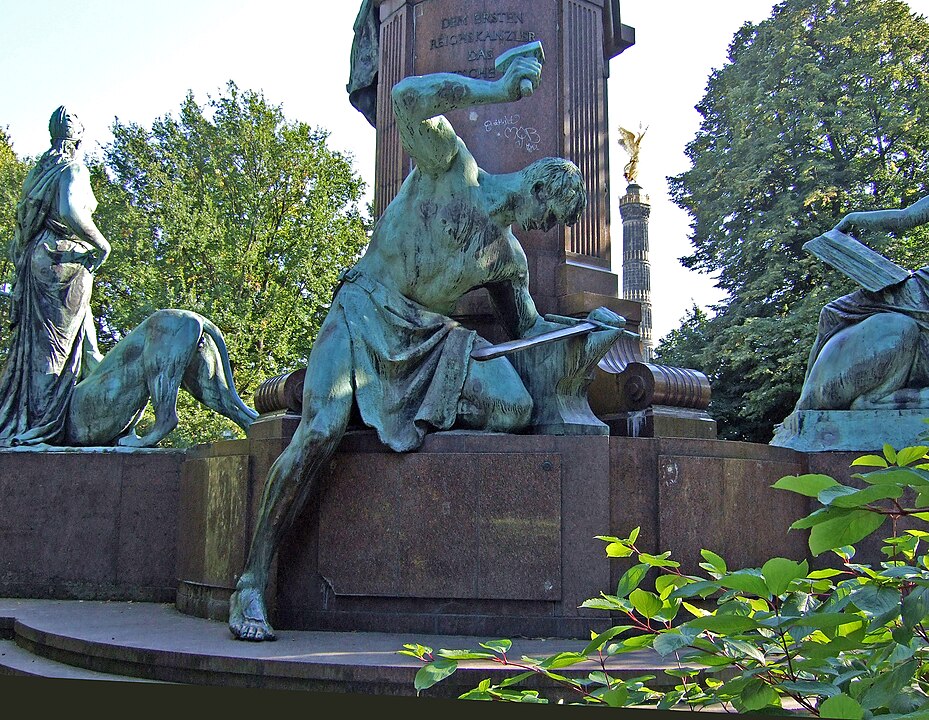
[(56, 250)]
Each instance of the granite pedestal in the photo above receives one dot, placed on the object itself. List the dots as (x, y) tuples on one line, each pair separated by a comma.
[(478, 534), (95, 523)]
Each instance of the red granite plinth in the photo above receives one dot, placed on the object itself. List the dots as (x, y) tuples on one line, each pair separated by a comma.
[(89, 524), (481, 534)]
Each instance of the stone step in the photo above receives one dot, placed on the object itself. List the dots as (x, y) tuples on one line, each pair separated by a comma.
[(153, 641), (17, 661)]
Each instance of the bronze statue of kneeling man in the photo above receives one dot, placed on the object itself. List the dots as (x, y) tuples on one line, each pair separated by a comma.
[(388, 344)]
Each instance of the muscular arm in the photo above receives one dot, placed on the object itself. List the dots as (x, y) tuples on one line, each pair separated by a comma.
[(76, 203), (888, 220), (513, 305), (420, 101)]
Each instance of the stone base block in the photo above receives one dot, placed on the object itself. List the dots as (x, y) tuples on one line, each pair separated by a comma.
[(855, 430), (483, 534), (663, 421), (89, 523)]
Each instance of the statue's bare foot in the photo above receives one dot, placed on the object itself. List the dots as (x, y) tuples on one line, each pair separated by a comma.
[(248, 616), (131, 440)]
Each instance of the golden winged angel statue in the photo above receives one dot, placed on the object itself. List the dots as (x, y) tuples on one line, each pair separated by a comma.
[(630, 142)]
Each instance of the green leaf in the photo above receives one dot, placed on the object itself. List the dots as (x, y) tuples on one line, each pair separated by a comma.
[(911, 454), (757, 695), (561, 660), (842, 707), (888, 685), (810, 485), (714, 561), (616, 697), (826, 573), (618, 550), (823, 620), (725, 624), (870, 461), (516, 679), (646, 603), (844, 530), (464, 655), (915, 606), (701, 588), (658, 560), (598, 641), (875, 600), (734, 648), (416, 650), (816, 517), (860, 498), (778, 573), (431, 673), (668, 642), (501, 646), (809, 688), (666, 584), (631, 579), (890, 453), (905, 476), (748, 581), (635, 642)]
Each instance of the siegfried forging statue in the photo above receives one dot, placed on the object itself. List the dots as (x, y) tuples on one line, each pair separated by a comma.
[(388, 344), (56, 388)]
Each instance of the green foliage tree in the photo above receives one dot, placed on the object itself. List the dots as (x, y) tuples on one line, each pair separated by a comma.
[(232, 211), (12, 174), (820, 110)]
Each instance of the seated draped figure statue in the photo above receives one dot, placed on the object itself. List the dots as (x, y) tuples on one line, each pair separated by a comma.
[(872, 347), (56, 388)]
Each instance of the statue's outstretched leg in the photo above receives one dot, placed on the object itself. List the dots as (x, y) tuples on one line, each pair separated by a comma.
[(327, 404), (865, 366)]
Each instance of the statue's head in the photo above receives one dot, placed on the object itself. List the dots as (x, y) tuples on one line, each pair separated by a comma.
[(65, 128), (555, 193)]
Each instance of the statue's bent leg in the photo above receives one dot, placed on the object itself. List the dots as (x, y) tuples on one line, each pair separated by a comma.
[(327, 404), (170, 343), (863, 366), (208, 377), (494, 398)]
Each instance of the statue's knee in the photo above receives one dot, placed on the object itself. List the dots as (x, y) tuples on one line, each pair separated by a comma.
[(511, 414), (903, 328)]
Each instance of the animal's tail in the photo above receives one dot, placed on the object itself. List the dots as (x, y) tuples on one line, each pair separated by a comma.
[(217, 337)]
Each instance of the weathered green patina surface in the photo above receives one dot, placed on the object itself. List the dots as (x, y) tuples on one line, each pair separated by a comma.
[(56, 388), (871, 352), (388, 344)]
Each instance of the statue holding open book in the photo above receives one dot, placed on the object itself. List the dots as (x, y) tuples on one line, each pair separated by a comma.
[(871, 351)]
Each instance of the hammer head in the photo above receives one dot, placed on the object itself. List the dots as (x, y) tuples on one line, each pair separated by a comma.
[(533, 49)]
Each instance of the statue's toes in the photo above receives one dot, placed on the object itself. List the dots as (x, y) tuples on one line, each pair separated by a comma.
[(253, 632)]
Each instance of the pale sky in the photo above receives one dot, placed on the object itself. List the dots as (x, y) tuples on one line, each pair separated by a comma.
[(136, 61)]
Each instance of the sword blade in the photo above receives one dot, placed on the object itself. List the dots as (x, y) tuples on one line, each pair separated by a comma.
[(495, 351)]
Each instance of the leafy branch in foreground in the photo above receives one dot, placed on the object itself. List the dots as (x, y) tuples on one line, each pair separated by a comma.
[(843, 641)]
